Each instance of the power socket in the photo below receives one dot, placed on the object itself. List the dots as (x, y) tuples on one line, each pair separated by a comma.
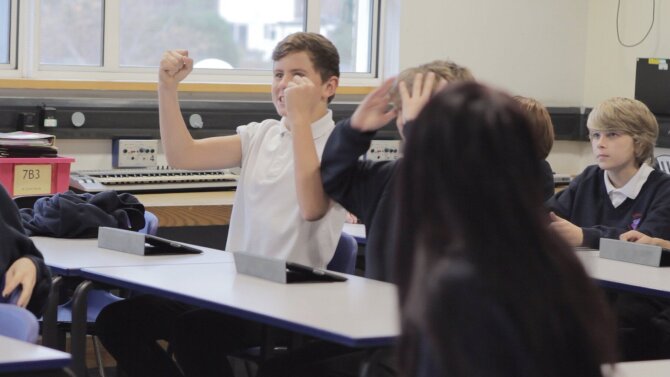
[(128, 153), (383, 150)]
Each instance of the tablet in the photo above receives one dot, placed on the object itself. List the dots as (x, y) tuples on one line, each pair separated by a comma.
[(281, 271), (136, 243), (159, 246)]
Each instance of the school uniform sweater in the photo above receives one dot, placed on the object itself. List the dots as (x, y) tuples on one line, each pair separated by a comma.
[(586, 204), (364, 188), (547, 180)]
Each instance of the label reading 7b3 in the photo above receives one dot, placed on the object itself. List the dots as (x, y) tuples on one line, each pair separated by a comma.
[(32, 179)]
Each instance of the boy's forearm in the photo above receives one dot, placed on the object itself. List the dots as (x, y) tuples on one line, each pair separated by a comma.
[(174, 135), (312, 199)]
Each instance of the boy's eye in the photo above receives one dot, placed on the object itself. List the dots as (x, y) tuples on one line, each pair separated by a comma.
[(594, 135), (279, 75), (613, 134)]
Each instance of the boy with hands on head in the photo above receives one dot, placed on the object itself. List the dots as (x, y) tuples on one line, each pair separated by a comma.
[(365, 188)]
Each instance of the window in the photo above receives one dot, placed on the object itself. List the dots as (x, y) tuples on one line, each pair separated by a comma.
[(218, 34), (5, 32), (349, 25), (228, 39), (71, 32)]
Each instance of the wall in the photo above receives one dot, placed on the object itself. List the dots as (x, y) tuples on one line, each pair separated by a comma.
[(529, 47), (532, 48), (610, 67)]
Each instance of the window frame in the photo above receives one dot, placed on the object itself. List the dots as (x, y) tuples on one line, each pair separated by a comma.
[(29, 66)]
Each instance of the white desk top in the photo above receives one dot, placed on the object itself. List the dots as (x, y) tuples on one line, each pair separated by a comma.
[(67, 256), (359, 312), (655, 368), (16, 356), (628, 276)]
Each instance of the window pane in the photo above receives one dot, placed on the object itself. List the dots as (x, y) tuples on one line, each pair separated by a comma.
[(4, 31), (348, 23), (71, 32), (218, 33)]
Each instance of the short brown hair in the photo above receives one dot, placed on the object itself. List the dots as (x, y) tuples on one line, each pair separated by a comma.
[(444, 69), (542, 128), (631, 117), (321, 51)]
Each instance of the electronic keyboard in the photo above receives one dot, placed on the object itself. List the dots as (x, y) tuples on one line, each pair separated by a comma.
[(152, 180)]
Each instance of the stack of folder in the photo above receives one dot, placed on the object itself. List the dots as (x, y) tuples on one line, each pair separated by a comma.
[(27, 144)]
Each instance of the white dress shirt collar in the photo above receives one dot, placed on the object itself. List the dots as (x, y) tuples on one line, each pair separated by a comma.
[(631, 189)]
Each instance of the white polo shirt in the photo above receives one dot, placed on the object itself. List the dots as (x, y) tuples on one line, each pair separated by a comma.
[(266, 217)]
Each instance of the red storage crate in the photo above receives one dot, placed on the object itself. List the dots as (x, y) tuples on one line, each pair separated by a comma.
[(36, 175)]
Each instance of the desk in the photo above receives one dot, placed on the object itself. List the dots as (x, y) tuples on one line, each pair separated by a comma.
[(626, 276), (190, 208), (67, 257), (17, 356), (655, 368), (357, 313)]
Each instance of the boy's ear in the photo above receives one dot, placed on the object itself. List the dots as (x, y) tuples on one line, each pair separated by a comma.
[(330, 86)]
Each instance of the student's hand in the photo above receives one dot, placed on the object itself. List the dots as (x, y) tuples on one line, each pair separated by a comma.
[(570, 232), (24, 273), (302, 101), (422, 90), (635, 236), (374, 113), (350, 218), (174, 67)]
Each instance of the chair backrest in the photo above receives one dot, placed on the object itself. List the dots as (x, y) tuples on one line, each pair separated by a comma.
[(18, 323), (344, 259), (96, 299), (151, 224), (663, 163)]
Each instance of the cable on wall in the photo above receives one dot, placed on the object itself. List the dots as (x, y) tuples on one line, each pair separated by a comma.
[(653, 15)]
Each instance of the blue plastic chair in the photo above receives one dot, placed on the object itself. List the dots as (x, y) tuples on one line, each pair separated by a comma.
[(18, 323), (663, 163), (344, 259), (151, 224), (97, 299)]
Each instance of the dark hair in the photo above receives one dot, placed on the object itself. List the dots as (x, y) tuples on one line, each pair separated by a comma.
[(470, 207), (541, 124), (321, 51)]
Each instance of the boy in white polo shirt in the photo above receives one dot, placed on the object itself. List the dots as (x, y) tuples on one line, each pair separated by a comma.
[(280, 207)]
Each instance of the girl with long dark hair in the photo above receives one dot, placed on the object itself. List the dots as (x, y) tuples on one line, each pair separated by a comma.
[(486, 288)]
